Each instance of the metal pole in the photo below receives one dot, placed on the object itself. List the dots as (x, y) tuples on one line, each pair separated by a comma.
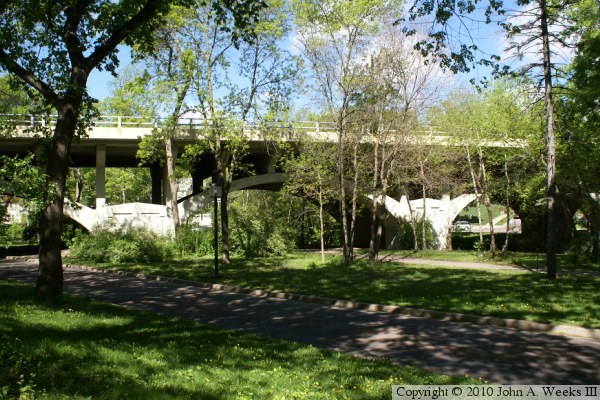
[(216, 228)]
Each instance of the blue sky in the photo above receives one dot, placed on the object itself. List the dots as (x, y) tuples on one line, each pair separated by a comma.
[(488, 37)]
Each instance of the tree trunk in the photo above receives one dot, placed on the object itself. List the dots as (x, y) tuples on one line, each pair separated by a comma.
[(550, 147), (375, 206), (303, 223), (50, 273), (353, 201), (79, 184), (477, 198), (321, 223), (225, 178), (383, 177), (423, 220), (413, 224), (506, 240), (488, 205), (342, 190), (225, 227), (171, 155), (381, 216)]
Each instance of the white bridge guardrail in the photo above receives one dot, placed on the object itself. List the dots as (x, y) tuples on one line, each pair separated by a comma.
[(120, 121), (25, 122)]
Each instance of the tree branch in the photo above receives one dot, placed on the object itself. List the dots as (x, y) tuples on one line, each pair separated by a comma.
[(148, 11), (14, 67)]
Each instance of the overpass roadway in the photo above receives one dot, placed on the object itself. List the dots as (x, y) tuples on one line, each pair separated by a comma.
[(120, 135)]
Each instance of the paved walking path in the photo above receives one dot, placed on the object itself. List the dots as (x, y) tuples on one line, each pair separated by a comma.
[(396, 258), (495, 354)]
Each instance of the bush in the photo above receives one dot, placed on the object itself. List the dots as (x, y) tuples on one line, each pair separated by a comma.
[(405, 239), (16, 231), (121, 246), (258, 233), (194, 240)]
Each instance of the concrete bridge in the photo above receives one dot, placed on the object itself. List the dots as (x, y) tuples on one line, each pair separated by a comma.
[(441, 213), (112, 141)]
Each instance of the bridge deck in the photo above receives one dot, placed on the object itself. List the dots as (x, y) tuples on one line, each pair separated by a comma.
[(121, 135)]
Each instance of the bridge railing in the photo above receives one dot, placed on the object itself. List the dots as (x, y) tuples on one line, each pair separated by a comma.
[(289, 130), (121, 121)]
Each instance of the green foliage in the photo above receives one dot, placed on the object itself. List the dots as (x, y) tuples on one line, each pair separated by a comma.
[(20, 178), (259, 226), (16, 231), (120, 246), (17, 99), (128, 185), (17, 368), (151, 149), (405, 239), (130, 94), (191, 240)]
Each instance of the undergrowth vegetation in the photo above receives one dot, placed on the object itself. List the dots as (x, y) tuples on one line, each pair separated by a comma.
[(121, 246)]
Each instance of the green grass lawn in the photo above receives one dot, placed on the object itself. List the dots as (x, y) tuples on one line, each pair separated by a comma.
[(80, 349), (472, 212), (507, 294)]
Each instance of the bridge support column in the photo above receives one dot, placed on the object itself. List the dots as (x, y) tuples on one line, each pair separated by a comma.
[(100, 176), (272, 163), (155, 175), (197, 179)]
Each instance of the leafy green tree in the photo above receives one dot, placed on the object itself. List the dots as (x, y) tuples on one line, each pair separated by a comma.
[(260, 224), (264, 74), (130, 94), (581, 120), (172, 66), (311, 174), (396, 87), (545, 22), (53, 46), (14, 99), (335, 36), (500, 115)]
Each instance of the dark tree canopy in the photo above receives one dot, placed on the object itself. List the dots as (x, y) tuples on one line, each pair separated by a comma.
[(53, 46)]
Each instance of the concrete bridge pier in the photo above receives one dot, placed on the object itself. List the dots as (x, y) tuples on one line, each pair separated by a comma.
[(156, 178), (100, 176)]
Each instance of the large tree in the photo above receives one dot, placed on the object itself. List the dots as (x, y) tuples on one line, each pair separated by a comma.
[(253, 71), (335, 37), (534, 26), (53, 46), (580, 158)]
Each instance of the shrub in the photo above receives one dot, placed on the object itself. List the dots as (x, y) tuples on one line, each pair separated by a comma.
[(405, 239), (121, 246), (193, 240), (15, 231), (260, 234)]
